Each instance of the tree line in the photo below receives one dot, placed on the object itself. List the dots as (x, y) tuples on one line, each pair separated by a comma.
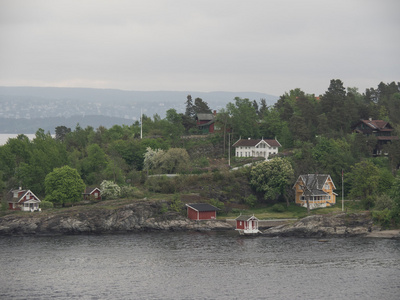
[(314, 131)]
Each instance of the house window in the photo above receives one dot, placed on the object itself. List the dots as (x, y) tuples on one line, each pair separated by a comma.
[(302, 198), (326, 186), (28, 196)]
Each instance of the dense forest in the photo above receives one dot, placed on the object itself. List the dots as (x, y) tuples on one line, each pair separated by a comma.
[(315, 133)]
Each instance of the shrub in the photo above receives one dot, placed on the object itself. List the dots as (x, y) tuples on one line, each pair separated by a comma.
[(217, 203), (250, 200), (110, 190), (383, 201), (383, 217), (278, 208), (46, 204), (176, 203)]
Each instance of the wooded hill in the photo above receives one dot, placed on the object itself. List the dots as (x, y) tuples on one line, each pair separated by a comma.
[(315, 132)]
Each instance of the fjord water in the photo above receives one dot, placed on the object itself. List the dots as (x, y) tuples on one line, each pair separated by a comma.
[(212, 265)]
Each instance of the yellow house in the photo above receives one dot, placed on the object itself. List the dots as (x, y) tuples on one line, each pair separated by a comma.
[(318, 188)]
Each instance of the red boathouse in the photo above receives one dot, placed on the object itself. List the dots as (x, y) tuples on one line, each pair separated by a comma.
[(247, 224), (201, 211)]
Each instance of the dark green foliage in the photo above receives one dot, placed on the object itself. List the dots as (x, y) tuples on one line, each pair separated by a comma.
[(278, 208), (315, 132), (250, 200), (176, 204)]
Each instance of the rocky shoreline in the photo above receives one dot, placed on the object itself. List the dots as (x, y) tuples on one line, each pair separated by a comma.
[(149, 216), (138, 216), (335, 225)]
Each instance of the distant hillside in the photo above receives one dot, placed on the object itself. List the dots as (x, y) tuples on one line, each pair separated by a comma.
[(27, 126), (44, 107)]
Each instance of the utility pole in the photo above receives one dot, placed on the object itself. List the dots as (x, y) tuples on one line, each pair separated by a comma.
[(229, 149)]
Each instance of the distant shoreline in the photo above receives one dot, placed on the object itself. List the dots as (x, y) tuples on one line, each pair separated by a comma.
[(5, 136)]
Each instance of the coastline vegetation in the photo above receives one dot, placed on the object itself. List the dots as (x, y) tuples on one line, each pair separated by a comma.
[(139, 161)]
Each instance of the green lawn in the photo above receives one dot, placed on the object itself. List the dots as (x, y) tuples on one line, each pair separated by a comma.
[(265, 212)]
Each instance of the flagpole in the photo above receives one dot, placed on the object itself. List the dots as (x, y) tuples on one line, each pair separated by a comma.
[(141, 124), (342, 193)]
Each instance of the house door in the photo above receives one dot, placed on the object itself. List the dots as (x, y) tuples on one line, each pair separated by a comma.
[(251, 225)]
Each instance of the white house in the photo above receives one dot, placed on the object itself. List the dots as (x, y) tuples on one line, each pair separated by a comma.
[(256, 148)]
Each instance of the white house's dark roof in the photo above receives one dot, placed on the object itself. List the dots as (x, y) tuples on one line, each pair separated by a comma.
[(202, 207), (255, 142)]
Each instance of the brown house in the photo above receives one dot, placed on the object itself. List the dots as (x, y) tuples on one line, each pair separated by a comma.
[(382, 130)]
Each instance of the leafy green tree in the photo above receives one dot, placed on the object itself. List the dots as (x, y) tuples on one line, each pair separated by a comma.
[(175, 160), (244, 118), (200, 106), (61, 132), (45, 154), (272, 178), (190, 110), (173, 129), (94, 164), (364, 178), (152, 159), (64, 185)]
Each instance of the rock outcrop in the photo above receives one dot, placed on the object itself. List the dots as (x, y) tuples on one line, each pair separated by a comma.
[(319, 226), (138, 216)]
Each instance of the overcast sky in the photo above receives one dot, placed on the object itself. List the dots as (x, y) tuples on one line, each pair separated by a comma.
[(200, 45)]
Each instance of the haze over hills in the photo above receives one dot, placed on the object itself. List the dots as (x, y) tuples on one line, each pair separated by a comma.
[(25, 109)]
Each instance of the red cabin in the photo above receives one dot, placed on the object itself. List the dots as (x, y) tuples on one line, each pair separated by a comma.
[(92, 194), (201, 211), (247, 224)]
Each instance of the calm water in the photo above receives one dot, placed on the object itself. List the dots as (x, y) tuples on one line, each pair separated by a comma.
[(197, 266)]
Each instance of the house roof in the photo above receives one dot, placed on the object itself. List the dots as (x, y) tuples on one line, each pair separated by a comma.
[(205, 116), (246, 218), (90, 190), (202, 207), (255, 142), (314, 183), (378, 125), (21, 194)]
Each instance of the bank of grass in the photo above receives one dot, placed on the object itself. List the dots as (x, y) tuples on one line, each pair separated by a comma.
[(270, 211)]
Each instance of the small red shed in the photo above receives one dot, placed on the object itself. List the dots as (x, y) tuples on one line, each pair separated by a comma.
[(247, 224), (201, 211), (92, 194)]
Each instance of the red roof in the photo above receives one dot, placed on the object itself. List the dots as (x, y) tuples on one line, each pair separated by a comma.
[(253, 143)]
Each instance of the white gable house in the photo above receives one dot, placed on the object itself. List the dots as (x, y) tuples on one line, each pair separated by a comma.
[(256, 148)]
